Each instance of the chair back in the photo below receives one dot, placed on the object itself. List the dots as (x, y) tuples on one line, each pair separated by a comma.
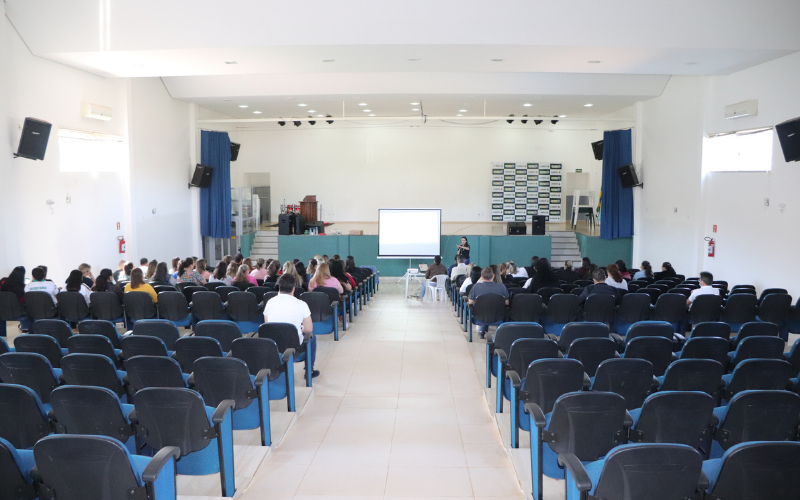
[(587, 424), (675, 417), (243, 285), (223, 291), (508, 333), (259, 292), (634, 307), (224, 332), (189, 291), (213, 285), (56, 328), (332, 293), (91, 370), (489, 308), (190, 349), (523, 352), (775, 308), (164, 288), (23, 419), (706, 348), (758, 347), (547, 292), (670, 307), (650, 329), (207, 305), (653, 293), (547, 379), (759, 416), (153, 371), (656, 350), (759, 470), (31, 370), (257, 354), (600, 308), (563, 308), (10, 307), (40, 344), (705, 308), (106, 306), (704, 375), (770, 291), (757, 328), (92, 344), (90, 410), (173, 416), (591, 352), (319, 304), (575, 331), (100, 327), (72, 306), (139, 305), (756, 374), (242, 306), (629, 377), (740, 308), (269, 295), (16, 482), (284, 334), (40, 305), (218, 379), (161, 328), (711, 329), (172, 306), (142, 345), (525, 307)]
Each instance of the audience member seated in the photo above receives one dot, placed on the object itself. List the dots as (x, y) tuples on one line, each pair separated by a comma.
[(452, 266), (615, 278), (175, 263), (645, 271), (151, 270), (201, 269), (119, 272), (238, 258), (323, 278), (249, 263), (103, 284), (600, 286), (460, 268), (137, 284), (228, 259), (568, 273), (666, 272), (486, 285), (40, 284), (706, 279), (337, 272), (272, 272), (143, 265), (436, 269), (544, 277), (220, 274), (161, 276), (587, 269), (86, 274), (285, 308), (311, 268), (301, 272), (243, 276), (623, 269), (76, 283), (188, 274), (260, 272), (514, 271), (233, 268), (504, 276), (125, 275), (289, 268), (474, 277)]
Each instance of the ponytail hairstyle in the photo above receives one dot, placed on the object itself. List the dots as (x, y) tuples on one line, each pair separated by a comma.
[(648, 270), (260, 263), (613, 273), (184, 265), (667, 267), (151, 269), (241, 274)]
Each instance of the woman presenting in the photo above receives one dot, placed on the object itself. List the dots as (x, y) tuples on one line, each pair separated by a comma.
[(463, 249)]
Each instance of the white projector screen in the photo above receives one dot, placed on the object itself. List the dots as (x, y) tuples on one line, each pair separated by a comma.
[(409, 233)]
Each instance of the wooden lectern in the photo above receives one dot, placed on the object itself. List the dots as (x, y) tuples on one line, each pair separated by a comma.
[(308, 209)]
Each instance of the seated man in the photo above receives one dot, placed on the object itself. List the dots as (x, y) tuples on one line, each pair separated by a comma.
[(706, 279), (285, 308), (484, 286), (600, 286), (435, 270), (459, 269), (40, 284), (143, 264)]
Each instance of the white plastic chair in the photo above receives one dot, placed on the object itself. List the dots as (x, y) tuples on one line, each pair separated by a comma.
[(436, 288)]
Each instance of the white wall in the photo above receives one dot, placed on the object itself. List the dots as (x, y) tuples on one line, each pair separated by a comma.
[(355, 171)]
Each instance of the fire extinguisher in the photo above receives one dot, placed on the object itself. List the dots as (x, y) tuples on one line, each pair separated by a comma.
[(121, 244), (711, 247)]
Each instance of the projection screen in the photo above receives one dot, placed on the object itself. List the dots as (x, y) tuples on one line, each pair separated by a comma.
[(409, 233)]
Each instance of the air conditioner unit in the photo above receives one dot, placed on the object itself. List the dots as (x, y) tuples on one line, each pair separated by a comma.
[(741, 109), (89, 110)]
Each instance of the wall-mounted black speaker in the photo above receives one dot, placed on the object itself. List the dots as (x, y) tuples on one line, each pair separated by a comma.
[(234, 151), (517, 228), (789, 136), (202, 176), (597, 148), (627, 174), (537, 225), (33, 143)]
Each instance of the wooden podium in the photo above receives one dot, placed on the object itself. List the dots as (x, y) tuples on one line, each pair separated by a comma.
[(308, 209)]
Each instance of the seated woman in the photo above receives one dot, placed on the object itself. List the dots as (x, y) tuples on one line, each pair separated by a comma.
[(301, 271), (311, 268), (474, 277), (623, 269), (188, 274), (243, 276), (15, 283), (260, 271), (200, 265), (220, 274), (151, 270), (103, 283), (162, 276), (137, 284), (544, 277), (514, 271), (323, 278), (614, 277), (272, 272), (337, 271), (645, 271), (75, 283)]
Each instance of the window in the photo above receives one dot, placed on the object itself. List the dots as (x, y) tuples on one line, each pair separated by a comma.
[(90, 152), (744, 151)]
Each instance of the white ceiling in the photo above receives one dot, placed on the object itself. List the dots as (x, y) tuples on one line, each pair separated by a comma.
[(416, 47)]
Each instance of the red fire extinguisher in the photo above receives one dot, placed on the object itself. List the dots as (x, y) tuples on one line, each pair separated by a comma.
[(121, 244), (711, 247)]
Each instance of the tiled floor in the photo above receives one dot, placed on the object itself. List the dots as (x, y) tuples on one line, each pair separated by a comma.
[(399, 412)]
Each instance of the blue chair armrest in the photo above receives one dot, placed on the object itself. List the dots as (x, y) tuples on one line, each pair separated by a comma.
[(578, 471)]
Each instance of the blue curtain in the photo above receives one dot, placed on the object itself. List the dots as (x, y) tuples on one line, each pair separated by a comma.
[(215, 200), (616, 219)]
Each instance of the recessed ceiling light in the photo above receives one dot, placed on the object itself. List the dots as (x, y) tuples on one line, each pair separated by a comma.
[(459, 115), (231, 62), (362, 104), (311, 111), (562, 116), (366, 110), (256, 112), (588, 105), (320, 116), (415, 109), (328, 60), (243, 105), (302, 105), (527, 105), (593, 62), (415, 104), (462, 110), (372, 115)]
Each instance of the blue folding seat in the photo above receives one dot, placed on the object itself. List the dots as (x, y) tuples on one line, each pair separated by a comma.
[(633, 308), (100, 327), (189, 349), (242, 308), (45, 345), (98, 467), (168, 417), (636, 471), (220, 379), (31, 370), (40, 305), (561, 309), (336, 299), (711, 329), (740, 308), (756, 470), (173, 307), (582, 330), (793, 357), (143, 345), (286, 337), (715, 348), (656, 350), (15, 469), (756, 416), (600, 308), (504, 336), (679, 417), (23, 417), (488, 310), (525, 307), (208, 305), (138, 306), (545, 381), (106, 306), (324, 314), (756, 348), (630, 378), (4, 347), (11, 309), (263, 354), (646, 329), (591, 352), (72, 306), (94, 370), (153, 371), (522, 353), (585, 424), (756, 374), (161, 328), (704, 375), (94, 344), (671, 308), (705, 308), (93, 410), (56, 328), (754, 329), (776, 308), (224, 331)]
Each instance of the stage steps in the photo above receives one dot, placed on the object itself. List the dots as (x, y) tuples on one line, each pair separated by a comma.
[(563, 247), (265, 245)]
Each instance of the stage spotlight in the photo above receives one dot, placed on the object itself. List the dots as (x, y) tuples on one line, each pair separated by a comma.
[(328, 121), (538, 122), (510, 121), (281, 123), (524, 121), (297, 123), (312, 122)]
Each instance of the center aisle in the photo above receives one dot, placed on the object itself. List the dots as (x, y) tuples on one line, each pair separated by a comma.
[(398, 412)]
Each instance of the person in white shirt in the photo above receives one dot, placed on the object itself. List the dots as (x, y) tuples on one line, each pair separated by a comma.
[(514, 271), (40, 284), (75, 284), (143, 264), (706, 279), (285, 308), (460, 268), (615, 278)]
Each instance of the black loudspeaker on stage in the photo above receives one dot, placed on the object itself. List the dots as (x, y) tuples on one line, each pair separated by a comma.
[(202, 176), (517, 228), (597, 148), (33, 143), (789, 136), (299, 224), (627, 174), (537, 225), (285, 223)]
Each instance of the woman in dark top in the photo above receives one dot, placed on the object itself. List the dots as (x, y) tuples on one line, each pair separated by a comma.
[(623, 269), (15, 282), (301, 271), (103, 284), (350, 265), (161, 276), (272, 272), (587, 268), (666, 271), (463, 249), (544, 277)]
